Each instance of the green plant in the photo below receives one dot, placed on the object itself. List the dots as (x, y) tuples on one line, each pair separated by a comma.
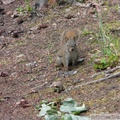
[(110, 61), (27, 8), (86, 32), (68, 110), (110, 47), (116, 7), (20, 10)]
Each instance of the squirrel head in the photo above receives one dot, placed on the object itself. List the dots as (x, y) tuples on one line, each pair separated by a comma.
[(71, 45), (70, 34)]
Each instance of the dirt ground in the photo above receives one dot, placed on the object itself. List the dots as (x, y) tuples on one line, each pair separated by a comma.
[(28, 46)]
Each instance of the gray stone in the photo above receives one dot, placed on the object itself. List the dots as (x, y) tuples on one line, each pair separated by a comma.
[(7, 1)]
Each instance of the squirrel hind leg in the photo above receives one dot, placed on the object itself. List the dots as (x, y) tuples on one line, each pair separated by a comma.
[(58, 61)]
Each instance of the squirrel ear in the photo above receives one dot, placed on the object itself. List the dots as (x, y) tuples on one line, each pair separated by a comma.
[(66, 38), (75, 37)]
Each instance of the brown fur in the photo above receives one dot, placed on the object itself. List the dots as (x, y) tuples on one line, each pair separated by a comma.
[(68, 50), (69, 34)]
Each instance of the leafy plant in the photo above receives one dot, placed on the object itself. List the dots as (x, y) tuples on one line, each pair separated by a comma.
[(27, 8), (68, 110), (111, 61), (20, 10), (110, 47)]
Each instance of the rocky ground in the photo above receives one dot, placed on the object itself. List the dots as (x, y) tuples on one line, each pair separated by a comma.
[(28, 46)]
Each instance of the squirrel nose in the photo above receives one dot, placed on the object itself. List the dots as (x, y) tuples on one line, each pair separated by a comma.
[(72, 49)]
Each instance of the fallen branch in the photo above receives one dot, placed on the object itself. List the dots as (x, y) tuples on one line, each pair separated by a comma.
[(106, 72), (96, 81)]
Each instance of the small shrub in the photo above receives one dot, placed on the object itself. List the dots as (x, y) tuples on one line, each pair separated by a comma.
[(67, 110), (110, 47), (26, 9)]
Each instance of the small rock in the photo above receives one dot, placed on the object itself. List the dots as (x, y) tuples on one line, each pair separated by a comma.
[(56, 84), (4, 99), (19, 21), (23, 103), (70, 16), (9, 13), (64, 2), (108, 68), (20, 58), (67, 73), (54, 25), (68, 10), (43, 26), (1, 3), (34, 28), (32, 79), (1, 9), (14, 74), (6, 2), (1, 23), (33, 91), (15, 34), (3, 74), (105, 9), (58, 87), (32, 64), (4, 45), (92, 11), (83, 5), (7, 97), (80, 60), (2, 31), (97, 61), (15, 14)]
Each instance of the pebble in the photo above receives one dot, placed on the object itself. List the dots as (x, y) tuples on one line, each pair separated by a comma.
[(19, 21), (15, 34), (6, 2), (9, 13), (1, 9), (1, 23)]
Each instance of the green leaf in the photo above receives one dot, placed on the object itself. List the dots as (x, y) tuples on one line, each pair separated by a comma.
[(51, 117), (78, 110), (66, 117), (70, 106), (74, 117), (69, 102), (37, 107), (67, 109), (103, 61), (44, 109), (52, 112)]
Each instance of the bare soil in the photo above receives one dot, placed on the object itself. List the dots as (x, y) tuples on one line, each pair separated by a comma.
[(27, 58)]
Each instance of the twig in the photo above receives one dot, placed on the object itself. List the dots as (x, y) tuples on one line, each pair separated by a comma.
[(106, 72), (96, 81), (112, 70)]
